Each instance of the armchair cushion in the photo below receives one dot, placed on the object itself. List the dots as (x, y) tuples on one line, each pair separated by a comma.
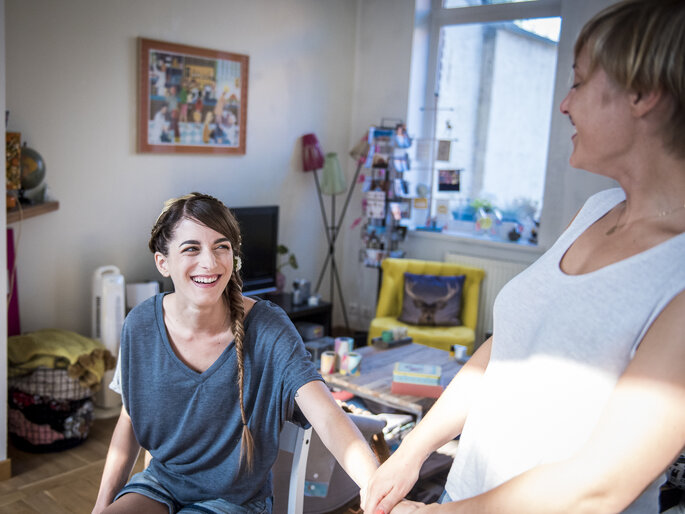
[(392, 292), (432, 300)]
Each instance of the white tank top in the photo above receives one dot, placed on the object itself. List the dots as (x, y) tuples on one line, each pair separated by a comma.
[(561, 343)]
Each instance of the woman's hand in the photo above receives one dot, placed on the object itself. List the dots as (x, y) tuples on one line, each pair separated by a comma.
[(406, 506), (390, 484)]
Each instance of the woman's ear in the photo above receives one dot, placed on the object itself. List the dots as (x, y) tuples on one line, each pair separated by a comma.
[(644, 103), (162, 264)]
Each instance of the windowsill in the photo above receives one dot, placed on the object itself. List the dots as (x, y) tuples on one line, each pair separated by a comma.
[(480, 245)]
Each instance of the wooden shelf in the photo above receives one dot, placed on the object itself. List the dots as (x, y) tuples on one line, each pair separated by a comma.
[(29, 211)]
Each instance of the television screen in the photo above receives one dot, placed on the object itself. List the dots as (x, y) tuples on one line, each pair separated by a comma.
[(259, 230)]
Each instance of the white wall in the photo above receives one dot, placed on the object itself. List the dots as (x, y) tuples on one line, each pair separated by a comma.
[(71, 87), (381, 90)]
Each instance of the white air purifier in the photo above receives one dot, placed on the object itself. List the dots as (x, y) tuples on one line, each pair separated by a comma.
[(108, 311)]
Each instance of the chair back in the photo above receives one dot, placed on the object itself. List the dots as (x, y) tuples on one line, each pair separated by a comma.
[(317, 470), (392, 286), (294, 440)]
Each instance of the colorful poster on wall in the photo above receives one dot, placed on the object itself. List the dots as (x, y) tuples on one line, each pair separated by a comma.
[(192, 100)]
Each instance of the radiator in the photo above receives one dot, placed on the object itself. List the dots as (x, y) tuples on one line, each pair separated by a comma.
[(497, 273)]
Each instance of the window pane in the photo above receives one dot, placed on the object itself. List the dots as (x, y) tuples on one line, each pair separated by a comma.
[(448, 4), (495, 87)]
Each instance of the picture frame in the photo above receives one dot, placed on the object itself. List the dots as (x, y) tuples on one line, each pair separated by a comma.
[(449, 180), (191, 99)]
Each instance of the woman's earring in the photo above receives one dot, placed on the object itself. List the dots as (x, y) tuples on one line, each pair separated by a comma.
[(237, 263)]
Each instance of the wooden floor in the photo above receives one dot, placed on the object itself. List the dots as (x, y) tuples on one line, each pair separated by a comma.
[(59, 482)]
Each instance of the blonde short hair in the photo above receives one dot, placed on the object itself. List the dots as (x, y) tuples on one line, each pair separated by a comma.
[(640, 44)]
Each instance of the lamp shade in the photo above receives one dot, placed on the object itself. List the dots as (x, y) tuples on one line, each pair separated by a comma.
[(312, 156), (332, 179)]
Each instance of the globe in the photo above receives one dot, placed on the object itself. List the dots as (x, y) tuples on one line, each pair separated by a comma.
[(32, 168)]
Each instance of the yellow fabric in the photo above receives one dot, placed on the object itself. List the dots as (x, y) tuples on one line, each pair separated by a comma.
[(84, 358), (392, 293)]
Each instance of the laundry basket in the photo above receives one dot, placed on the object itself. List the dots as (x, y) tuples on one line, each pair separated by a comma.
[(48, 411)]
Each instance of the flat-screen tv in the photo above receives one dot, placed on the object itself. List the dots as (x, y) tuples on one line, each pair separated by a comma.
[(259, 230)]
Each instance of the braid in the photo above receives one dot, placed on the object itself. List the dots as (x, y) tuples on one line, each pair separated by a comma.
[(235, 302)]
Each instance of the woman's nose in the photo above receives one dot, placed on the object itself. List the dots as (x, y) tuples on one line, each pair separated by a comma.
[(563, 107), (207, 259)]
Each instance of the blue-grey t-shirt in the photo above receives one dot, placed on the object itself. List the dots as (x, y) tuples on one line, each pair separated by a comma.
[(190, 422)]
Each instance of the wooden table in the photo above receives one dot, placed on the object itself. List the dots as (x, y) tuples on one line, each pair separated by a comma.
[(376, 375)]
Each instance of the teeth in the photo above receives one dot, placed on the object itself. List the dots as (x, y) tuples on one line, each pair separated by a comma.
[(205, 280)]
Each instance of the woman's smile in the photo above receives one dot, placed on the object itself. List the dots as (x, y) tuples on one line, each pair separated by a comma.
[(205, 280)]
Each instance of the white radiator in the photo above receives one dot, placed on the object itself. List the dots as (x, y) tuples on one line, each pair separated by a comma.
[(497, 273)]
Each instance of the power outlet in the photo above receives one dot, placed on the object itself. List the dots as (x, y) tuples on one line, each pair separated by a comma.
[(354, 309), (367, 312)]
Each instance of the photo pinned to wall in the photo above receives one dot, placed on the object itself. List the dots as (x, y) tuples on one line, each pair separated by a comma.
[(449, 180), (401, 187), (191, 100), (400, 161), (444, 150), (380, 140), (400, 210), (442, 213), (375, 204)]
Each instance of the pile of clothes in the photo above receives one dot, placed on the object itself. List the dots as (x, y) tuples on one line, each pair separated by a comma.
[(53, 375)]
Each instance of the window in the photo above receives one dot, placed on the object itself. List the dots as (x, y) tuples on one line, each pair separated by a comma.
[(486, 127)]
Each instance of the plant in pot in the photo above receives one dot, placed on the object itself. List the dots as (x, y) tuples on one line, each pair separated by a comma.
[(488, 217), (290, 260)]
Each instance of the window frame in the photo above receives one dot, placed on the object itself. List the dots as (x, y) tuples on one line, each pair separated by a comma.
[(440, 17)]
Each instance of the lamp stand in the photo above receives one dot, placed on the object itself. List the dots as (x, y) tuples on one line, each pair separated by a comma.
[(332, 232)]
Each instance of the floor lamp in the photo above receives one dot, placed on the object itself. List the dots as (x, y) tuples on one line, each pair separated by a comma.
[(332, 183)]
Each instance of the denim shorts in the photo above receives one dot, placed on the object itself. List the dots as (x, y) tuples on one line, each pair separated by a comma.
[(146, 484), (444, 497)]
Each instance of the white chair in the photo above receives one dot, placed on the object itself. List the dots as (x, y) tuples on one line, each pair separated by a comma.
[(316, 465), (294, 440)]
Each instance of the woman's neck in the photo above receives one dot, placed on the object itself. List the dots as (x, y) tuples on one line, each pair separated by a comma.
[(197, 319), (654, 185)]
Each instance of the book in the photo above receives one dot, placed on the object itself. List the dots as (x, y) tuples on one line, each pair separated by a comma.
[(427, 391), (416, 380), (406, 369)]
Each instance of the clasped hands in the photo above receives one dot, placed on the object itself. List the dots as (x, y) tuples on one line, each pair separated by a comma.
[(386, 490)]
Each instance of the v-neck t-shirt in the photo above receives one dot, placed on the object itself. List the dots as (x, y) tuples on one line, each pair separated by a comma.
[(190, 422)]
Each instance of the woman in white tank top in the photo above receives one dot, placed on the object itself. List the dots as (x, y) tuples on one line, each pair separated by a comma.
[(577, 403)]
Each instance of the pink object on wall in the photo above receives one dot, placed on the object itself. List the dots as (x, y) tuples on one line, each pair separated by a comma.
[(13, 326)]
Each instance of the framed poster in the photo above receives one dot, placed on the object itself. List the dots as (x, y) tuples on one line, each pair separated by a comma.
[(191, 100)]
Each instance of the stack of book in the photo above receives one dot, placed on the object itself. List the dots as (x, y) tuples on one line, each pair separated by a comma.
[(417, 380)]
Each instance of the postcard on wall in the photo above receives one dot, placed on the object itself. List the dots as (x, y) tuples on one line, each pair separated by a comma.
[(444, 147), (375, 204), (191, 100), (449, 180)]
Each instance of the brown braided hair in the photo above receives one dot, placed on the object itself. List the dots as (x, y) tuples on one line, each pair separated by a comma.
[(212, 213)]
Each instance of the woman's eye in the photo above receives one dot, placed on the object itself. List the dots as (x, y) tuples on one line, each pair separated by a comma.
[(190, 249)]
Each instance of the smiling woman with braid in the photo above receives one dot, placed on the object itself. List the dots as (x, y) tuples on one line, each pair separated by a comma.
[(208, 377)]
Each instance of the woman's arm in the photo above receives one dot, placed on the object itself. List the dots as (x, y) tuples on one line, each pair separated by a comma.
[(337, 431), (443, 422), (641, 431), (121, 456)]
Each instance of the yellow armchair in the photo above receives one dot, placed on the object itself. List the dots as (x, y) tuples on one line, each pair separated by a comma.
[(391, 295)]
